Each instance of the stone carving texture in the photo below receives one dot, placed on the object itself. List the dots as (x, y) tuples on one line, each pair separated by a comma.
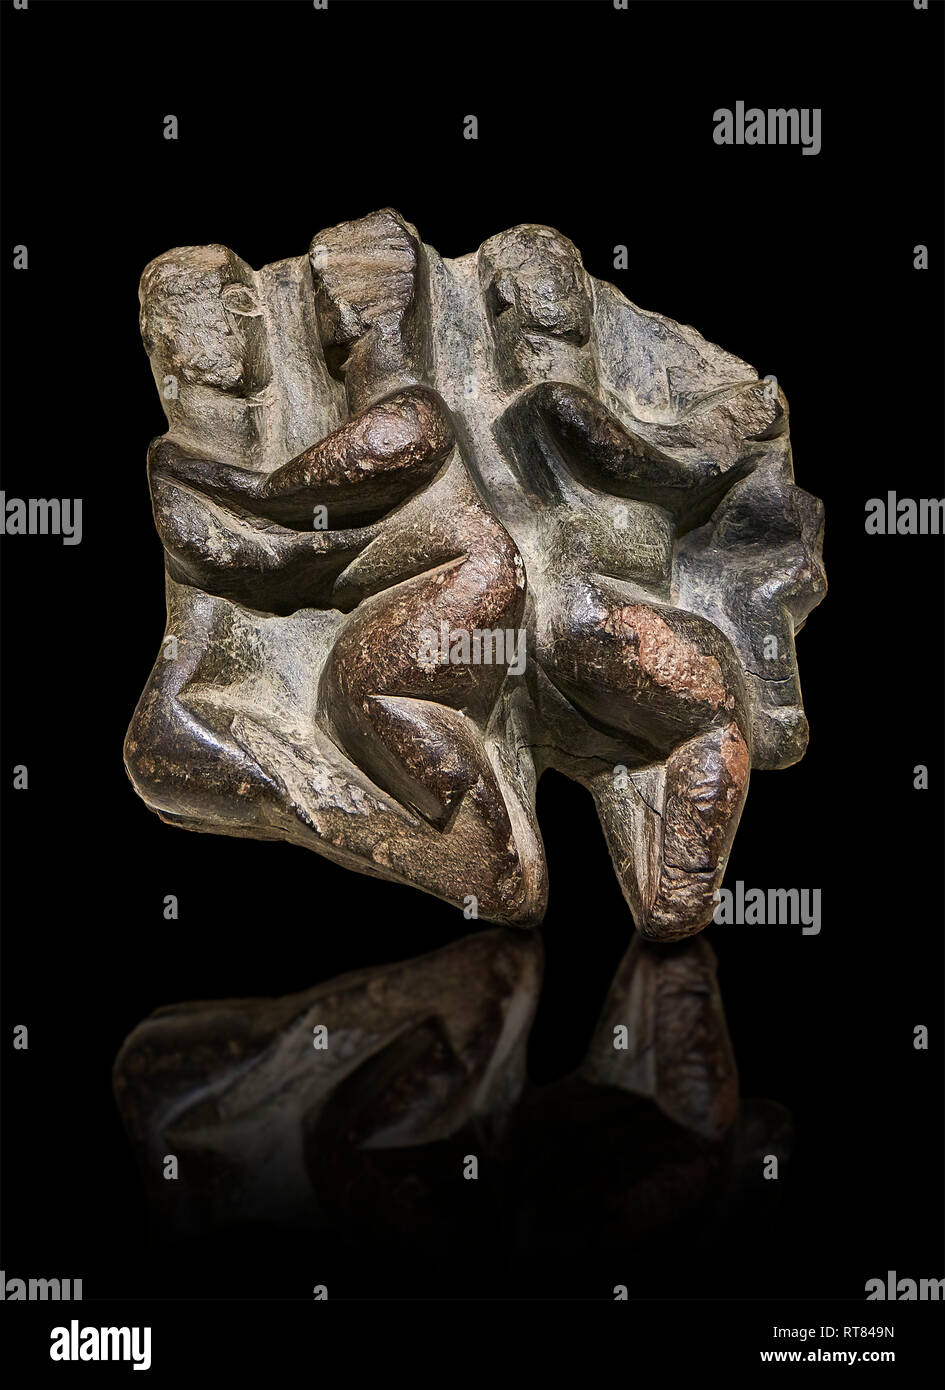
[(372, 447)]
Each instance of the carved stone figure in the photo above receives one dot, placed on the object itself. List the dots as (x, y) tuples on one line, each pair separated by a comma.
[(434, 526)]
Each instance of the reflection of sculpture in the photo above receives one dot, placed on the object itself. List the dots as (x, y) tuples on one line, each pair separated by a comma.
[(382, 467), (272, 1103), (422, 1064)]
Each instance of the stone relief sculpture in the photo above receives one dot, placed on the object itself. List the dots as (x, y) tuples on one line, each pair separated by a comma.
[(434, 526)]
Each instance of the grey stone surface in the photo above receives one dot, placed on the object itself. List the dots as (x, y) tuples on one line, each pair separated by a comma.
[(371, 444)]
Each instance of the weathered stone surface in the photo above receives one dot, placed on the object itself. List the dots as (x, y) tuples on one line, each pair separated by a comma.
[(374, 456)]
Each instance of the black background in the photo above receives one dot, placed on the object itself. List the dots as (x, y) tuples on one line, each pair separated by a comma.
[(598, 122)]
